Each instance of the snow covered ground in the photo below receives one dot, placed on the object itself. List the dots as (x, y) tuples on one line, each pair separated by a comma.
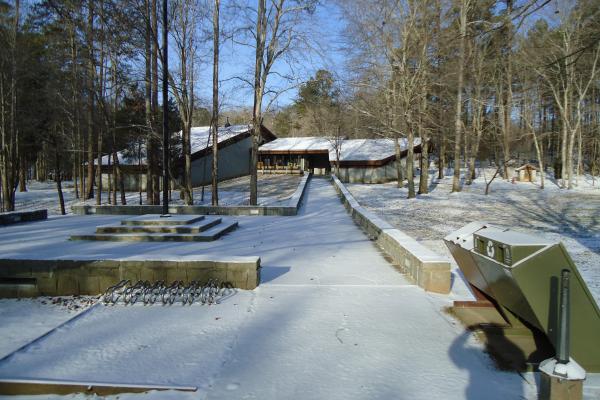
[(272, 190), (332, 319), (571, 216), (26, 319)]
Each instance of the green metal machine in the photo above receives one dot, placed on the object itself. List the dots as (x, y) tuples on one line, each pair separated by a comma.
[(522, 273)]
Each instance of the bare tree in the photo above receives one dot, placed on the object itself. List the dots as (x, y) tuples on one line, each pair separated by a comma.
[(568, 85), (10, 139), (182, 82), (276, 33), (215, 105), (458, 124), (91, 76)]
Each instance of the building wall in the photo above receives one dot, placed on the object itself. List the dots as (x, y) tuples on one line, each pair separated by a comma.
[(383, 174), (234, 161), (130, 181)]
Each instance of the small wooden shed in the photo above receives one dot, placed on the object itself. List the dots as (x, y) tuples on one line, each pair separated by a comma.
[(527, 173)]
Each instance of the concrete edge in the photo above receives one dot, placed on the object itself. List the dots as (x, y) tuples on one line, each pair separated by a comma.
[(290, 209), (427, 269), (87, 276), (15, 217), (296, 199)]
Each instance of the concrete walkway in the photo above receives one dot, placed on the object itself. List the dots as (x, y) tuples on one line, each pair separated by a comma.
[(331, 320)]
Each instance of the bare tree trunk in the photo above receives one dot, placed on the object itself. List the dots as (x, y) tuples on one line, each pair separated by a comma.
[(13, 106), (155, 140), (261, 26), (22, 174), (75, 130), (507, 100), (399, 170), (4, 154), (563, 148), (438, 91), (457, 118), (188, 153), (410, 164), (424, 137), (580, 168), (150, 159), (58, 178), (571, 147), (540, 156), (215, 105), (90, 110), (101, 83)]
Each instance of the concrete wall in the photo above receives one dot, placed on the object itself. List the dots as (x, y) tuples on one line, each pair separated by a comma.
[(383, 174), (15, 217), (291, 208), (427, 269), (234, 161), (130, 181), (63, 277)]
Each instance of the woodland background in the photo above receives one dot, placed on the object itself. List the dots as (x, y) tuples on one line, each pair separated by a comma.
[(492, 82)]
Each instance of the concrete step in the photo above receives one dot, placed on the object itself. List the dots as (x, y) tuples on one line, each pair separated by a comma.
[(207, 236), (155, 219), (198, 227)]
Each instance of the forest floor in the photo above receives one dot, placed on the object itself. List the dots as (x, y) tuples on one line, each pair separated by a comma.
[(570, 216), (272, 189)]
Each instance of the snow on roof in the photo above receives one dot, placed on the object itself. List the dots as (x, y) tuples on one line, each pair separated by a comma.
[(292, 144), (351, 149), (200, 138)]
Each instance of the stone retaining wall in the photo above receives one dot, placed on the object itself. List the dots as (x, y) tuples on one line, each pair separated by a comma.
[(290, 209), (427, 269), (62, 277), (15, 217)]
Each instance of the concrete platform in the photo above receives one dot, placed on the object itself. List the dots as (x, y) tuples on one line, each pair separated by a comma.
[(16, 217), (154, 219), (196, 227), (154, 228), (210, 235), (89, 276)]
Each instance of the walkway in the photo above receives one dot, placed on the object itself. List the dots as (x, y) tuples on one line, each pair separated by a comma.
[(331, 320)]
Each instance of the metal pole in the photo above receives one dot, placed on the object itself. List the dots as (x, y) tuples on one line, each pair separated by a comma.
[(562, 351), (165, 98)]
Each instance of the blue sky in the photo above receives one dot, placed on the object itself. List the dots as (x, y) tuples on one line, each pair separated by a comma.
[(237, 60)]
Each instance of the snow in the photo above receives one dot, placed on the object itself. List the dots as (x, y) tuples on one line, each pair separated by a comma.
[(292, 144), (370, 149), (272, 190), (201, 138), (332, 319), (351, 149), (570, 216), (26, 319), (570, 370)]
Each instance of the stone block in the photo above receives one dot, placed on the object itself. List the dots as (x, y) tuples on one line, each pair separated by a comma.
[(66, 284), (47, 286), (90, 285), (437, 281)]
